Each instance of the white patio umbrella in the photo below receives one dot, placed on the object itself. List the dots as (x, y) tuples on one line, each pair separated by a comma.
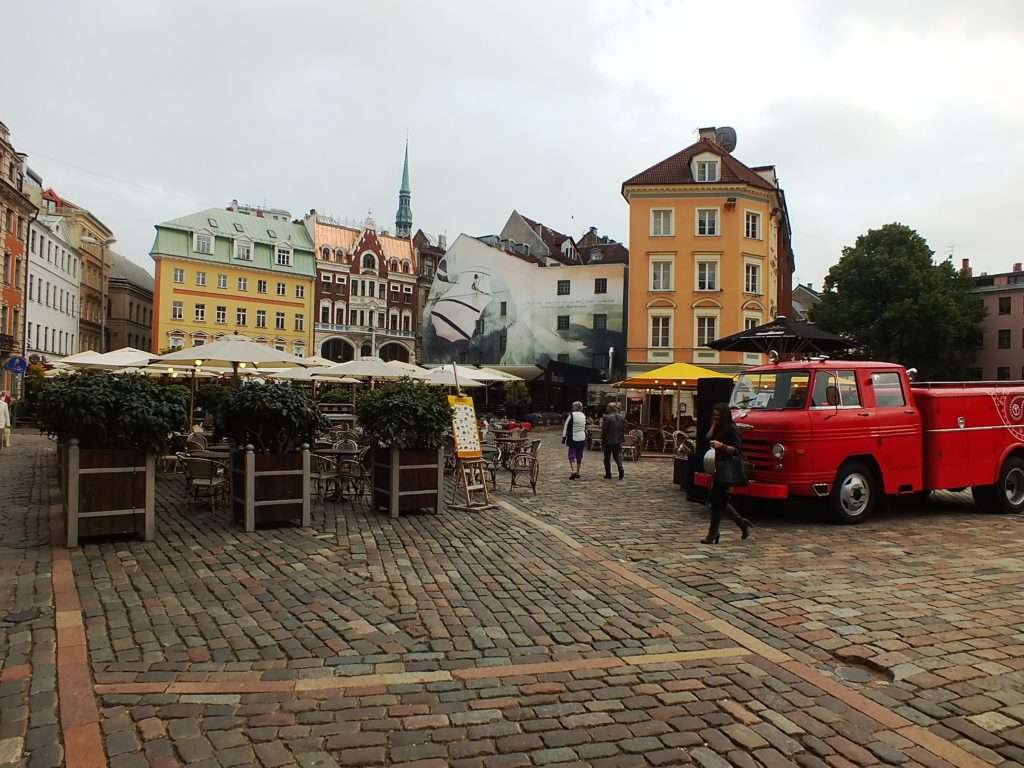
[(126, 357), (236, 351), (408, 368), (316, 360), (374, 368), (493, 374), (319, 373), (80, 357), (445, 376)]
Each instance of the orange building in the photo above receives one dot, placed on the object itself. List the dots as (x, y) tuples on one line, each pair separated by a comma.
[(709, 255), (16, 210)]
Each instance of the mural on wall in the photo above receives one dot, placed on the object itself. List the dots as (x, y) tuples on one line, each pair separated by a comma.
[(487, 306)]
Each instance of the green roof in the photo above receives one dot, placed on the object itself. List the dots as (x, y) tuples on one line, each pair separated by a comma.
[(233, 224)]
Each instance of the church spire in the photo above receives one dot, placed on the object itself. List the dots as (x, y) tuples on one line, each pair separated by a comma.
[(403, 218)]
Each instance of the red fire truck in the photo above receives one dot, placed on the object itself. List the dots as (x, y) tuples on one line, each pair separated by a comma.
[(855, 432)]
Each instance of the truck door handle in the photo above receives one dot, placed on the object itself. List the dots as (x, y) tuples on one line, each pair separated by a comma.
[(862, 413), (909, 413)]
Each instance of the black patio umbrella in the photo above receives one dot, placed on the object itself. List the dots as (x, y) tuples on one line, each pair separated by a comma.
[(785, 336)]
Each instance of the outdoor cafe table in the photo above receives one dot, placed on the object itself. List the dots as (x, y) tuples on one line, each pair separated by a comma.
[(337, 454)]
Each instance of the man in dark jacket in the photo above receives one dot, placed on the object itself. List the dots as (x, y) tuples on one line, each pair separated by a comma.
[(613, 433)]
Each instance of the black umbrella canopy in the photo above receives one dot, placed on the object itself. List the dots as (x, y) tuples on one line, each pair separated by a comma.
[(785, 336)]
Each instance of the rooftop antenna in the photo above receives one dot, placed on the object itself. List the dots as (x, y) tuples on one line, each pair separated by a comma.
[(725, 137)]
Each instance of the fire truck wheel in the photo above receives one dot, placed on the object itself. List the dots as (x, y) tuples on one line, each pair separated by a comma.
[(854, 494), (1008, 495)]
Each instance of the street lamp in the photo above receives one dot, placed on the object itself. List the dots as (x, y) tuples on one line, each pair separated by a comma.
[(103, 286)]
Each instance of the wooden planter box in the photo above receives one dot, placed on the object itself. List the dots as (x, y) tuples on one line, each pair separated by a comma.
[(107, 492), (270, 488), (407, 481)]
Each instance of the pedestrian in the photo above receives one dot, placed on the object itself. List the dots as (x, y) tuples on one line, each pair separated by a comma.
[(725, 440), (574, 435), (613, 434), (5, 422)]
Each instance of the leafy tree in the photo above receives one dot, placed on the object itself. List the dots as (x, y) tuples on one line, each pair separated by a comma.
[(274, 416), (405, 414), (888, 294)]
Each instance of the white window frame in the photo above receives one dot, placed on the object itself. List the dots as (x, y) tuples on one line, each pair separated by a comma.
[(242, 243), (241, 316), (339, 279), (201, 279), (749, 261), (177, 310), (177, 341), (660, 353), (748, 216), (208, 237), (407, 289), (220, 314), (662, 258), (199, 313), (696, 221), (396, 288), (283, 255), (261, 318), (701, 353), (325, 277), (243, 284), (222, 281), (300, 321), (279, 321), (752, 358), (704, 165), (300, 291), (671, 222), (281, 289), (262, 287), (178, 275), (700, 259)]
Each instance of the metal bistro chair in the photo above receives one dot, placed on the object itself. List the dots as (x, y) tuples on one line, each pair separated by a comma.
[(323, 472), (352, 478), (348, 444), (491, 455), (526, 462), (594, 436), (206, 476), (632, 445), (668, 442), (195, 442)]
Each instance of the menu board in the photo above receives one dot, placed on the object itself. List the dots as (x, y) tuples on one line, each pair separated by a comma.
[(464, 430)]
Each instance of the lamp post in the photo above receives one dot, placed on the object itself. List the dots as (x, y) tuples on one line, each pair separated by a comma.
[(103, 244)]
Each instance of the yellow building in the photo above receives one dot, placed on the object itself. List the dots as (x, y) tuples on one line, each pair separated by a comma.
[(242, 270), (709, 255)]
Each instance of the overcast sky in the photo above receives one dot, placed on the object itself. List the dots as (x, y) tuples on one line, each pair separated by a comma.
[(144, 111)]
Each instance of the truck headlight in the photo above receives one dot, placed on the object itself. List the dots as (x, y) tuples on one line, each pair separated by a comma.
[(778, 451)]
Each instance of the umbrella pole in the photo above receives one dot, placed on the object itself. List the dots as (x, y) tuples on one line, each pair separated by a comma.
[(192, 403)]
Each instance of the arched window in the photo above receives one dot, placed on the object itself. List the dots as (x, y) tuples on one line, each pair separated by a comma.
[(393, 266), (405, 267), (369, 261), (365, 351), (339, 256), (325, 253)]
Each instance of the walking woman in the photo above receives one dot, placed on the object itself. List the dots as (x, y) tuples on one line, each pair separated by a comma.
[(574, 435), (725, 439)]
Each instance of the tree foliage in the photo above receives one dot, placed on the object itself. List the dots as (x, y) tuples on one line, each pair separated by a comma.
[(405, 414), (274, 416), (888, 294), (109, 411)]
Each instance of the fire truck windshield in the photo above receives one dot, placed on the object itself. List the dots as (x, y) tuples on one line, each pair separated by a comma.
[(770, 390)]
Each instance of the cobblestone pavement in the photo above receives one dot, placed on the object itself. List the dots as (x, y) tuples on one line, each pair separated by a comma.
[(580, 626)]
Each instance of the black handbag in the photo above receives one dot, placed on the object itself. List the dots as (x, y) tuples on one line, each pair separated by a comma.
[(733, 470)]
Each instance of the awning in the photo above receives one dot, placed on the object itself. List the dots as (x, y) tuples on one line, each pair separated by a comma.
[(673, 376)]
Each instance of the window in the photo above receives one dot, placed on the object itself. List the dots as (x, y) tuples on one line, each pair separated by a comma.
[(222, 314), (284, 256), (563, 288), (661, 274), (407, 289), (707, 222), (381, 291), (261, 318), (203, 243), (177, 310), (240, 316), (707, 170), (889, 389), (752, 277), (750, 323), (707, 275), (1003, 373), (600, 322), (1004, 305), (835, 388), (179, 275), (660, 331), (563, 322), (222, 281), (707, 329), (662, 222), (300, 323), (261, 286), (339, 279), (200, 278), (396, 288), (1004, 338), (243, 250), (300, 291), (600, 285), (369, 261), (279, 321), (503, 309), (200, 315), (177, 342), (281, 287), (752, 225), (325, 277), (563, 357), (243, 284), (325, 313)]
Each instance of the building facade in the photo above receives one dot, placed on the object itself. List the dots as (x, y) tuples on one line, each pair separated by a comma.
[(240, 269), (1001, 357), (710, 255), (430, 252), (493, 303), (366, 302), (52, 307), (130, 323), (16, 211)]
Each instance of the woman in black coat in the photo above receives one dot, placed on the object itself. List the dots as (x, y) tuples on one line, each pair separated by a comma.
[(725, 439)]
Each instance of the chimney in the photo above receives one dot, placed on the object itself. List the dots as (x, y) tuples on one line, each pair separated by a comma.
[(965, 266), (442, 242), (259, 214), (707, 133), (1016, 267), (593, 230)]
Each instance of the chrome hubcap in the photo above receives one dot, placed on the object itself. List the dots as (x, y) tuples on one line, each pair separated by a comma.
[(1014, 486), (855, 493)]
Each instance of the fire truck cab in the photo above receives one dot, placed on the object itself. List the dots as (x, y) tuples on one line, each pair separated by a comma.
[(854, 432)]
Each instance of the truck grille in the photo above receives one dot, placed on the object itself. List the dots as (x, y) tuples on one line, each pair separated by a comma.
[(758, 453)]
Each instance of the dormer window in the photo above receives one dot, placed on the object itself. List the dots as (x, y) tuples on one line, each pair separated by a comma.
[(202, 242), (369, 261), (706, 170), (243, 250), (284, 256)]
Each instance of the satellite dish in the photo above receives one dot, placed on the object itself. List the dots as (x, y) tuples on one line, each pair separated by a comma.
[(726, 138)]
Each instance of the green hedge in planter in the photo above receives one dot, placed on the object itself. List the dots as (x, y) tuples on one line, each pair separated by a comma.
[(109, 411), (405, 414), (274, 416), (210, 397), (341, 394)]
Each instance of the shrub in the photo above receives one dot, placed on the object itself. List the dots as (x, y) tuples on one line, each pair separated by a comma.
[(337, 395), (405, 414), (274, 416), (180, 390), (210, 397), (109, 411)]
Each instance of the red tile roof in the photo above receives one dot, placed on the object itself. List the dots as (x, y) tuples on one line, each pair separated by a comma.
[(552, 238), (53, 197), (676, 169)]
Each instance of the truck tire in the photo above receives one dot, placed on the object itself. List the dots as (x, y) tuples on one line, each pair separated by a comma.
[(855, 493), (1007, 495)]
